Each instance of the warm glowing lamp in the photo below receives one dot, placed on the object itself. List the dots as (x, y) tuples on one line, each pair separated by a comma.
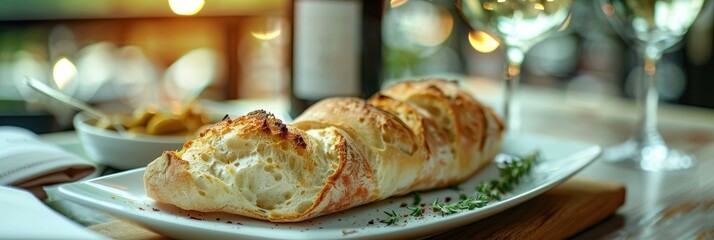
[(483, 42), (266, 36), (63, 72), (186, 7)]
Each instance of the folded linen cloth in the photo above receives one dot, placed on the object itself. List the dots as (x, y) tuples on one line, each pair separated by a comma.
[(28, 162), (25, 217)]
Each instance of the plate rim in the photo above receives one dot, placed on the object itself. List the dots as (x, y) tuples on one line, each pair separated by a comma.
[(590, 152)]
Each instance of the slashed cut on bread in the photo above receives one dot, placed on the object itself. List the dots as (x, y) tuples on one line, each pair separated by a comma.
[(340, 153)]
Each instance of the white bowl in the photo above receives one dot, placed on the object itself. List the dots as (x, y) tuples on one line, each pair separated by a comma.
[(121, 151)]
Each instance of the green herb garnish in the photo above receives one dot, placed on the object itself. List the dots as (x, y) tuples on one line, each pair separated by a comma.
[(416, 211), (417, 198), (463, 196), (445, 209), (393, 218), (511, 172)]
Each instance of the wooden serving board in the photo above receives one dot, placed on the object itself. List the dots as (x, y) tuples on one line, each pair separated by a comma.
[(556, 214), (559, 213)]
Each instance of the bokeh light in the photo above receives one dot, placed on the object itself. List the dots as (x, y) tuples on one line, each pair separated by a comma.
[(483, 42), (63, 72), (186, 7), (397, 3), (267, 35)]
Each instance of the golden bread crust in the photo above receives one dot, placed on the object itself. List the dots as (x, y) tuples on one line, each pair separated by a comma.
[(386, 141), (470, 127), (340, 153), (186, 179)]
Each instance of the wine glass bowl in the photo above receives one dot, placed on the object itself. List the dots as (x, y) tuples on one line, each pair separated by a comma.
[(519, 24), (659, 23), (651, 23), (651, 27)]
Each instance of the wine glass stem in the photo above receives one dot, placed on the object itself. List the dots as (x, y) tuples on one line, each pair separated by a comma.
[(511, 104), (646, 133)]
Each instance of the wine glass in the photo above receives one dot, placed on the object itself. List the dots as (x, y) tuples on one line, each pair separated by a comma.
[(652, 26), (519, 24)]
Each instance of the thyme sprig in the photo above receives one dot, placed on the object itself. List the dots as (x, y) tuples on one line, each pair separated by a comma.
[(417, 198), (416, 211), (393, 218), (511, 172)]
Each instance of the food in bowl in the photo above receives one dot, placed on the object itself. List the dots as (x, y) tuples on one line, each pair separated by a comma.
[(148, 121), (128, 150)]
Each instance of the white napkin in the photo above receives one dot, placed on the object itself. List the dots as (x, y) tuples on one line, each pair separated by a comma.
[(25, 217), (27, 162)]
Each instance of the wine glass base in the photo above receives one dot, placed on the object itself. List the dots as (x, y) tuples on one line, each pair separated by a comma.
[(654, 158)]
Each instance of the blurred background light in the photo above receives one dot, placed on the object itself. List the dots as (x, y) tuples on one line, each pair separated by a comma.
[(266, 36), (483, 42), (397, 3), (186, 7), (420, 39), (418, 26), (63, 72), (117, 52)]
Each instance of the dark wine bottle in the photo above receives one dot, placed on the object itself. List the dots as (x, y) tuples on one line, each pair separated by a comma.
[(336, 50)]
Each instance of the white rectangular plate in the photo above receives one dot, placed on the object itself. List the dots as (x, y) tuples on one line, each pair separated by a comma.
[(123, 196)]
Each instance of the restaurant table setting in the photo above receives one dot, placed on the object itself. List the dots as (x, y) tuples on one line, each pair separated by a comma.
[(602, 199), (567, 163)]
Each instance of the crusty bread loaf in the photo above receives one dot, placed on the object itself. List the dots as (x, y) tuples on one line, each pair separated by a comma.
[(340, 153), (473, 131), (259, 167), (437, 169), (385, 141)]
